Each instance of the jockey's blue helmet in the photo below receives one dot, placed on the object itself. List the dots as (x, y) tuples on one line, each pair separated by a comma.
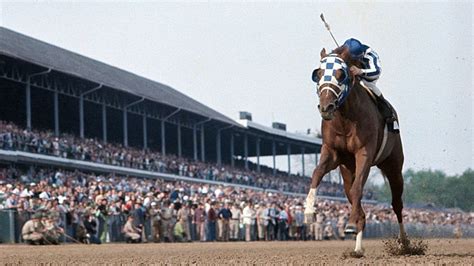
[(356, 48)]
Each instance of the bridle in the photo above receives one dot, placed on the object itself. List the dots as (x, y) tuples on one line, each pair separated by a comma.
[(328, 82)]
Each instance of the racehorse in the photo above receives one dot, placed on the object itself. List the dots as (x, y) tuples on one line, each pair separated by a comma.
[(355, 138)]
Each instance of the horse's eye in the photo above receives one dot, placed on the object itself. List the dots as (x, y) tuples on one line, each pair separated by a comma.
[(343, 76), (315, 76)]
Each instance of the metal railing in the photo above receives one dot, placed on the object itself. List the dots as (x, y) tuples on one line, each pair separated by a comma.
[(11, 222)]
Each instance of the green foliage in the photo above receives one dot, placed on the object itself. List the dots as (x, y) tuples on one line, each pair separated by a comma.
[(435, 187)]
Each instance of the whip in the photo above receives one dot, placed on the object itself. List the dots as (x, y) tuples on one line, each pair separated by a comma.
[(328, 28)]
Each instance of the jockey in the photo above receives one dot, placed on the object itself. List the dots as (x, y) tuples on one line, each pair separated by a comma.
[(369, 74)]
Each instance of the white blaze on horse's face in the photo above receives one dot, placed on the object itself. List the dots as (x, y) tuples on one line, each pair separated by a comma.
[(332, 78)]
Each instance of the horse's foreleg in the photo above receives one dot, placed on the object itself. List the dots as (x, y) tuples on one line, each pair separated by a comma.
[(348, 177), (356, 222), (328, 162)]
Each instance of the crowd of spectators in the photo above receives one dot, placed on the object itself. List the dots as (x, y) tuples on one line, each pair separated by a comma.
[(117, 208), (13, 137)]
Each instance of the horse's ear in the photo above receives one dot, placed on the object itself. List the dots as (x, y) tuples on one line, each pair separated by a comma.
[(323, 53)]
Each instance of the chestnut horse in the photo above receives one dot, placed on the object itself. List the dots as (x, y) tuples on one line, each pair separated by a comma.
[(355, 138)]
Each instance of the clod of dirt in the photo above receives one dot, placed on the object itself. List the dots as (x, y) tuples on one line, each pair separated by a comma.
[(396, 247)]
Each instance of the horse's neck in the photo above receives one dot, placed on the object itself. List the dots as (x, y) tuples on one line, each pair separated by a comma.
[(357, 103), (357, 109)]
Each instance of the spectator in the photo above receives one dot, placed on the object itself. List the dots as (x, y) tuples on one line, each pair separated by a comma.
[(261, 220), (235, 221), (199, 222), (282, 224), (248, 216), (224, 217), (13, 137), (155, 216), (329, 232), (211, 222), (90, 225), (132, 233), (183, 220), (166, 221), (76, 197)]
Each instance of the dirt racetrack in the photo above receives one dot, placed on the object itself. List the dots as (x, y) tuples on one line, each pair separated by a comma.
[(442, 251)]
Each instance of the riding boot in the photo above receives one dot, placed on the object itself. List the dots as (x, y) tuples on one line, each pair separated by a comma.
[(388, 114)]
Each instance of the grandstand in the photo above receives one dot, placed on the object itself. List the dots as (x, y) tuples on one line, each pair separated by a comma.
[(75, 132), (43, 86)]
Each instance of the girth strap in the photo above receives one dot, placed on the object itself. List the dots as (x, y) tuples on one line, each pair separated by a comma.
[(382, 146)]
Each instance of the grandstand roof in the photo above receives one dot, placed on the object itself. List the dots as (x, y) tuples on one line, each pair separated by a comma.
[(28, 49), (281, 133)]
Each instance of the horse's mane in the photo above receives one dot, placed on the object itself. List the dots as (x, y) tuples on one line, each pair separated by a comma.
[(339, 50), (343, 52), (346, 56)]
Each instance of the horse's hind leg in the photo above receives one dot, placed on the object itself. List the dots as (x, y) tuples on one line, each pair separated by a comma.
[(392, 169), (328, 162)]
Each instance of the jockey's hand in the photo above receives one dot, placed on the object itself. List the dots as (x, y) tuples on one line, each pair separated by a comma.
[(356, 71)]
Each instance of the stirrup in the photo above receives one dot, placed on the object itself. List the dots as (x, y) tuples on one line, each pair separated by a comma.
[(392, 125)]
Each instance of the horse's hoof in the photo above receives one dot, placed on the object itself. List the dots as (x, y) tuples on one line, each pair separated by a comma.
[(350, 229)]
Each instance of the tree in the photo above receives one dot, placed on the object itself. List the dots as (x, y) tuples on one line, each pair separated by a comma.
[(435, 187)]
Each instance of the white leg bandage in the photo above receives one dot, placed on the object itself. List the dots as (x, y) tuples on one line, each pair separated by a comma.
[(310, 200), (358, 247)]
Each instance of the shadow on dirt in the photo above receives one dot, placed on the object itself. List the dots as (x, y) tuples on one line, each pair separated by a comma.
[(352, 254), (454, 255)]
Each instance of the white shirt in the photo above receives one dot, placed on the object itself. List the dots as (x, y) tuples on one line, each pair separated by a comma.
[(248, 215)]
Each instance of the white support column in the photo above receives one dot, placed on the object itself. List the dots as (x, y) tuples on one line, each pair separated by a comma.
[(302, 161), (288, 150), (195, 143), (125, 127), (28, 105), (145, 132), (163, 138), (56, 113), (81, 116), (218, 147), (246, 151), (274, 155), (179, 140), (258, 154), (104, 122), (232, 163), (203, 151)]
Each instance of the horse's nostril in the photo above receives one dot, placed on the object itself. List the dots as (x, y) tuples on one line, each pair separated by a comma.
[(329, 108)]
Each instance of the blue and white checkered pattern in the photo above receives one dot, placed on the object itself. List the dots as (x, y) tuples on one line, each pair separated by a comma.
[(330, 65)]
